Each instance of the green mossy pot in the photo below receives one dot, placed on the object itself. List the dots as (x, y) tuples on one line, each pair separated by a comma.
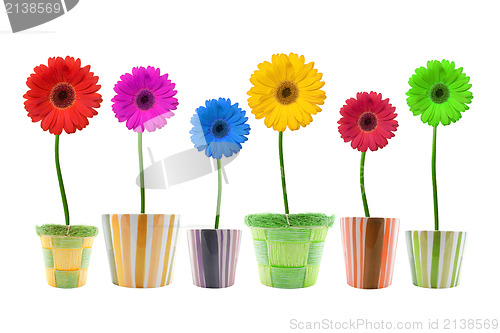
[(289, 254), (66, 253)]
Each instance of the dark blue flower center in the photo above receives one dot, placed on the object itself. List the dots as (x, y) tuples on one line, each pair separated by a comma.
[(439, 93), (63, 95), (145, 99), (219, 128), (368, 121)]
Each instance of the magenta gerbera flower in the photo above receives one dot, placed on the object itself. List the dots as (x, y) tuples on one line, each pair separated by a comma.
[(367, 121), (144, 99)]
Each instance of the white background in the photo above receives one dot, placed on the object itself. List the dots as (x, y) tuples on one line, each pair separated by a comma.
[(210, 48)]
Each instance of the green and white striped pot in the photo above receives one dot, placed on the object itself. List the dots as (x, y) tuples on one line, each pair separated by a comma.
[(436, 257), (290, 257)]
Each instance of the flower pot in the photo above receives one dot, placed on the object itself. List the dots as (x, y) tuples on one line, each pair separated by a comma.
[(436, 257), (66, 260), (141, 248), (369, 250), (214, 255), (289, 257)]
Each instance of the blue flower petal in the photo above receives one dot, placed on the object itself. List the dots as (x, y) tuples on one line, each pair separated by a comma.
[(202, 136)]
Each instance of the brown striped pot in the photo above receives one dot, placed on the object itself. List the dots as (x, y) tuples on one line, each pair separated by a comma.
[(369, 250), (141, 248), (66, 260)]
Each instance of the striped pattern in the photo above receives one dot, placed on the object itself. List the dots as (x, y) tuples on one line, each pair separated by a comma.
[(436, 257), (289, 257), (214, 255), (66, 260), (141, 248), (369, 250)]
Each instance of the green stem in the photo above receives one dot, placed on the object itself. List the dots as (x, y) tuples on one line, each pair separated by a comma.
[(61, 183), (219, 193), (434, 181), (141, 175), (282, 165), (362, 184)]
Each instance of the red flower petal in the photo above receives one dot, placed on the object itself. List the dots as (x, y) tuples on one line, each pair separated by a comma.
[(38, 102), (349, 123)]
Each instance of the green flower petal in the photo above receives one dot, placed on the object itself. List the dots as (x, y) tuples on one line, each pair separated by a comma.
[(417, 82), (436, 117), (463, 88), (456, 105), (450, 111), (423, 104), (423, 73), (423, 83), (449, 68), (455, 75), (459, 83), (445, 118), (428, 113), (461, 97), (416, 98)]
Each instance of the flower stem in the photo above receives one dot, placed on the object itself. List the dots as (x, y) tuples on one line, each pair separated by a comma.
[(282, 165), (362, 184), (141, 175), (434, 180), (61, 183), (219, 193)]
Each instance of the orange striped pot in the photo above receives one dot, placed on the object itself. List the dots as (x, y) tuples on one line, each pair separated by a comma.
[(66, 260), (369, 250), (141, 248)]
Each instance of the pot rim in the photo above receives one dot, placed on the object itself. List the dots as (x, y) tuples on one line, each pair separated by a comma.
[(58, 236), (371, 217), (222, 229), (331, 220), (436, 230), (293, 227), (138, 214)]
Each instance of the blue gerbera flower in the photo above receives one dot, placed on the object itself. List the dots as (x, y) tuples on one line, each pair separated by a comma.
[(219, 128)]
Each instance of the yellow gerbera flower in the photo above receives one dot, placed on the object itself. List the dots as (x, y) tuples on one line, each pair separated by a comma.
[(286, 92)]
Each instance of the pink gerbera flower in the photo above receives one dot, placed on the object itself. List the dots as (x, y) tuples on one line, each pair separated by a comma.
[(144, 99), (367, 121)]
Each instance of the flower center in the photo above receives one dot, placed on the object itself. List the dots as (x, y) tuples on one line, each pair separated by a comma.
[(439, 93), (145, 99), (220, 128), (287, 92), (368, 121), (63, 95)]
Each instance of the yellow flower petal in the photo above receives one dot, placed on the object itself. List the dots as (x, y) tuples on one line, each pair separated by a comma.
[(302, 71), (286, 92), (267, 69), (259, 77), (281, 123)]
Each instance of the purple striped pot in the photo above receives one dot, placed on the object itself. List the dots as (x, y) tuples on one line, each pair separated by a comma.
[(214, 255)]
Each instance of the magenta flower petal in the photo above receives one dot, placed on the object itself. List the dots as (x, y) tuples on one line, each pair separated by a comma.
[(144, 99)]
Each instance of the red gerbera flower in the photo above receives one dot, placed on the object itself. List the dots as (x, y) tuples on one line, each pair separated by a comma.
[(367, 121), (62, 95)]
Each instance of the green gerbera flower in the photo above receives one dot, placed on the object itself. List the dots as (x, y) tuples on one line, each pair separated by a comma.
[(439, 93)]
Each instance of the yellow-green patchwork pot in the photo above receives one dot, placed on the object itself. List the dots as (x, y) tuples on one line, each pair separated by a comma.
[(66, 260)]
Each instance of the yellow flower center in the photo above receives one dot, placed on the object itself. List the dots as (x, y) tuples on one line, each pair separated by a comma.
[(286, 92)]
